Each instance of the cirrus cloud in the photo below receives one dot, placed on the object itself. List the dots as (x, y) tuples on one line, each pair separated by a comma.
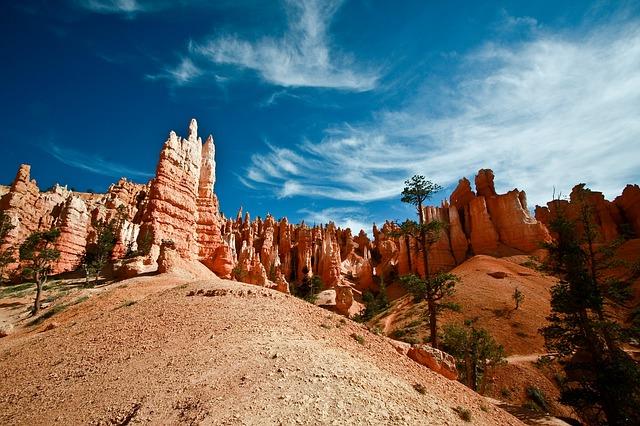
[(552, 111), (302, 57)]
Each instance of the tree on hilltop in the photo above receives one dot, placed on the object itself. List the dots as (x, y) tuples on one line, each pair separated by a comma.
[(428, 287)]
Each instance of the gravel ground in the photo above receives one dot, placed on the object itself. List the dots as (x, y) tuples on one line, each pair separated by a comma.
[(159, 351)]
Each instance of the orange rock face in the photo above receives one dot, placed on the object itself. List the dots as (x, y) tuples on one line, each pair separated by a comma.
[(436, 360), (611, 219), (178, 210), (74, 230), (171, 213), (208, 219), (509, 213), (629, 205), (22, 204)]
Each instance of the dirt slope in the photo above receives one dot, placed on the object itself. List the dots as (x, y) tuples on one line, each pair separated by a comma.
[(234, 354), (480, 294)]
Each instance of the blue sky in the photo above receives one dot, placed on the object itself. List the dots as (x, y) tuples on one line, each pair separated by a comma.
[(320, 110)]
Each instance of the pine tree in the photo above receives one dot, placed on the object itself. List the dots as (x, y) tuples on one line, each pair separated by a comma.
[(603, 381), (475, 350), (38, 252), (6, 255), (430, 288), (99, 253)]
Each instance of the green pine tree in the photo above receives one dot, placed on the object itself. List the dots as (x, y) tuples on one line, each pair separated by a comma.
[(603, 381), (38, 253)]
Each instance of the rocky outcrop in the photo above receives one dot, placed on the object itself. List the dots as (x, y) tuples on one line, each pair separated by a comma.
[(434, 359), (629, 205), (23, 206), (329, 258), (74, 230), (344, 299), (179, 206), (171, 213), (170, 262), (611, 220), (486, 223), (493, 223), (208, 220), (509, 213)]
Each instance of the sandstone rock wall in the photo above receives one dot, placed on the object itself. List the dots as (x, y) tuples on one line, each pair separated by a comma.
[(74, 230), (611, 219), (171, 213), (178, 209)]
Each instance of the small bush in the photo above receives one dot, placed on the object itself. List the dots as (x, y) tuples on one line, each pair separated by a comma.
[(543, 361), (309, 289), (464, 413), (538, 397), (420, 388), (414, 323), (531, 406), (80, 300), (399, 333), (358, 338), (13, 289), (452, 306), (505, 392), (374, 303)]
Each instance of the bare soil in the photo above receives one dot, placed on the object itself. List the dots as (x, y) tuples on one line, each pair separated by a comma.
[(162, 351)]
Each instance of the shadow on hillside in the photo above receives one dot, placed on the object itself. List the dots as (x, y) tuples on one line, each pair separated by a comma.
[(537, 418)]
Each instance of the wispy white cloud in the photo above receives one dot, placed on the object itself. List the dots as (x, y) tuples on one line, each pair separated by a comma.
[(552, 111), (355, 218), (92, 163), (302, 57), (183, 73), (126, 7), (275, 96)]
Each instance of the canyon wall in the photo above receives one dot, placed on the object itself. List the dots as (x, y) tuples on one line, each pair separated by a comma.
[(611, 219), (178, 208)]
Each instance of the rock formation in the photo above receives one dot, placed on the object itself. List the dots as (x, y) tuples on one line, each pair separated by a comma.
[(178, 212), (486, 223), (612, 219), (629, 205), (74, 229), (432, 358), (171, 213)]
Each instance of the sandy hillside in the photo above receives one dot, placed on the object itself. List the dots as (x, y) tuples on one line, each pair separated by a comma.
[(485, 292), (147, 352)]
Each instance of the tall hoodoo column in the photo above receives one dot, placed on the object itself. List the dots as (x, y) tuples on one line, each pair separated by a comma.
[(208, 222), (172, 210)]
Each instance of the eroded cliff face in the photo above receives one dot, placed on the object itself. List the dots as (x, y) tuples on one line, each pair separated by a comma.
[(475, 223), (171, 213), (612, 219), (178, 208)]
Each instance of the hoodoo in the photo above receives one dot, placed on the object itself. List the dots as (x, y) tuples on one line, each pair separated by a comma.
[(179, 205)]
